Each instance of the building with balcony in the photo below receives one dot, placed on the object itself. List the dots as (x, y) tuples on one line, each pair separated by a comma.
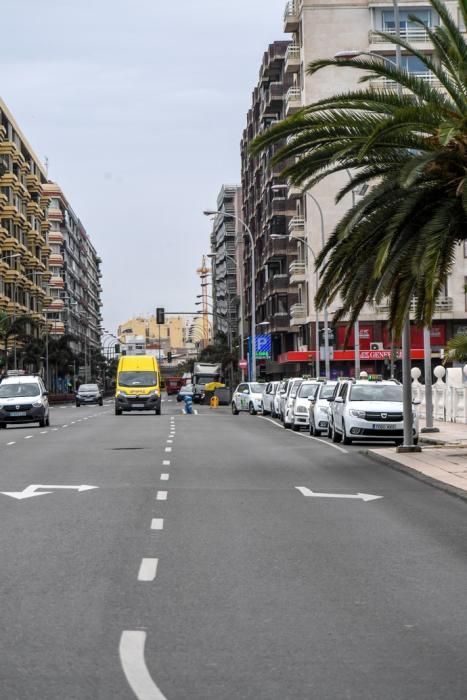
[(267, 211), (75, 284), (171, 334), (24, 228), (321, 30), (226, 231)]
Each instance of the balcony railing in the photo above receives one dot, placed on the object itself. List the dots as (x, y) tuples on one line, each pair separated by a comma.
[(297, 313), (387, 84), (293, 100), (291, 16), (412, 34), (297, 271), (292, 58), (441, 304), (297, 227)]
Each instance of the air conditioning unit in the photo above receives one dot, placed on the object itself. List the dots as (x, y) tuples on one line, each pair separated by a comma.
[(303, 348), (376, 346)]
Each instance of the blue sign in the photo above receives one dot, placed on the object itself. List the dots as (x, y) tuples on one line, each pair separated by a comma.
[(264, 346)]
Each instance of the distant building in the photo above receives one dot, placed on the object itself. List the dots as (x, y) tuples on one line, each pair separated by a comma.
[(170, 334)]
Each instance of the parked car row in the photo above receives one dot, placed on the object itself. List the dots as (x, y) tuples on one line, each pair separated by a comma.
[(346, 410)]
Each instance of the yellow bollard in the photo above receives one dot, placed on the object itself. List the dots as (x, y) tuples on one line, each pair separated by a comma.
[(214, 403)]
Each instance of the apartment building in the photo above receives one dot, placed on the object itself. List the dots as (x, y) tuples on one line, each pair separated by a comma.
[(24, 226), (225, 232), (75, 283), (267, 211), (171, 333), (323, 29)]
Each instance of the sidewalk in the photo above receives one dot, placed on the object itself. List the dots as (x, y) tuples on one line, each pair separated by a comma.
[(442, 461)]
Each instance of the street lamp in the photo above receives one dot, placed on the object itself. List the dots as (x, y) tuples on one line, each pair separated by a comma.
[(253, 286)]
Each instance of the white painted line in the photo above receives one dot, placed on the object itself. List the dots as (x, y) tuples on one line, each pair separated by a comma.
[(11, 443), (169, 441), (28, 437), (148, 569), (131, 652), (72, 422), (65, 426), (308, 437), (161, 496), (164, 477), (44, 432), (166, 463), (168, 449), (196, 411), (157, 524)]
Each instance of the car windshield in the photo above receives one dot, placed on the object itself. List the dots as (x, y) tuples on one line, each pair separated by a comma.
[(137, 379), (327, 390), (257, 388), (307, 390), (9, 391), (88, 387), (294, 389), (375, 392)]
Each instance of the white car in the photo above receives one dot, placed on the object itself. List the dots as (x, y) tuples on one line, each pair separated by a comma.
[(248, 396), (306, 391), (369, 410), (318, 409), (268, 398), (23, 399), (289, 402), (284, 395), (277, 398)]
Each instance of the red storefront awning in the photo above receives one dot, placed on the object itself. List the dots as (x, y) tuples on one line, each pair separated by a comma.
[(348, 355)]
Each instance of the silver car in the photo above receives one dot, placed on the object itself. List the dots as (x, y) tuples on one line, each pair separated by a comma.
[(23, 399)]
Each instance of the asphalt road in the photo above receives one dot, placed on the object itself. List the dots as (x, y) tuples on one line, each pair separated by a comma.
[(197, 569)]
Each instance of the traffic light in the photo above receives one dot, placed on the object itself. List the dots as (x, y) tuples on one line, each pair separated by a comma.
[(117, 348), (169, 357), (160, 316)]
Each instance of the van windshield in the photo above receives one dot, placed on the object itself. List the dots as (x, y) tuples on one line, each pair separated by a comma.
[(137, 378), (9, 391)]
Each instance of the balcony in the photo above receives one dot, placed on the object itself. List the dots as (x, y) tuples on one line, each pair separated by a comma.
[(291, 17), (297, 314), (279, 284), (442, 304), (293, 101), (297, 271), (297, 228), (55, 259), (292, 59), (387, 84), (411, 34)]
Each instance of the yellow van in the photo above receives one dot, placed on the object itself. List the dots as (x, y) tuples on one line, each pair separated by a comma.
[(138, 384)]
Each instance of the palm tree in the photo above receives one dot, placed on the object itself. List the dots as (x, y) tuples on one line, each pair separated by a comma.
[(457, 348), (13, 326), (398, 242)]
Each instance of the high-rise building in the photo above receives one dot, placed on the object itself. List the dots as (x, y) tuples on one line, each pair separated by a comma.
[(171, 333), (24, 227), (75, 286), (225, 234), (322, 30), (267, 211)]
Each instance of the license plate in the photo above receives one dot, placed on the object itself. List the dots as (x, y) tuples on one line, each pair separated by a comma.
[(17, 414), (383, 426), (136, 405)]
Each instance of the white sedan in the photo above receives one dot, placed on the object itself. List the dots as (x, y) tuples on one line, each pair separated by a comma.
[(248, 396)]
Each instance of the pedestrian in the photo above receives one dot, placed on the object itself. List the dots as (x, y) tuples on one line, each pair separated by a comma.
[(188, 399)]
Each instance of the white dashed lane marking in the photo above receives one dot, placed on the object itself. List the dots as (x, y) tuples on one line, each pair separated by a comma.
[(157, 524), (168, 449), (164, 477), (161, 496), (166, 463), (11, 443), (148, 570)]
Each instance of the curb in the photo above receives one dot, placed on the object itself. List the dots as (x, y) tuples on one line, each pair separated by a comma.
[(415, 474)]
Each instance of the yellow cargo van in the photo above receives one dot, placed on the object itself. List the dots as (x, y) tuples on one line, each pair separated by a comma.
[(138, 384)]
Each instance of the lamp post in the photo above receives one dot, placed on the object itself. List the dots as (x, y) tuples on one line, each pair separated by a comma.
[(253, 285)]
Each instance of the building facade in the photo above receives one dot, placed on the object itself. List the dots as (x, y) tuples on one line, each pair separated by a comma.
[(225, 233), (322, 30), (171, 333), (24, 228), (268, 211)]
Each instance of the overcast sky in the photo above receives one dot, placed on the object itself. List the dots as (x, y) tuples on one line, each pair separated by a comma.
[(139, 106)]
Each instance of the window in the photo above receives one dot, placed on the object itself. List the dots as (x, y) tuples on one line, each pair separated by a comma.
[(406, 25)]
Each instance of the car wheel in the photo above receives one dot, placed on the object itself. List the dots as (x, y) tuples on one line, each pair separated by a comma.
[(118, 412), (399, 442), (158, 411), (329, 430), (346, 440), (335, 436), (2, 426), (78, 404), (295, 428), (101, 403), (415, 441), (47, 421), (42, 423), (234, 409), (251, 409)]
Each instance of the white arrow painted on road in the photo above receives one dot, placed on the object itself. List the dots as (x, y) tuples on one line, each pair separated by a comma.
[(134, 666), (31, 491), (356, 496)]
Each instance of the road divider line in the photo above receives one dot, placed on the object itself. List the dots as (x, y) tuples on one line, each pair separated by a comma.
[(169, 441), (161, 496), (28, 437), (148, 569), (131, 651), (11, 443), (157, 524), (168, 449), (164, 477), (44, 432), (308, 437), (166, 463)]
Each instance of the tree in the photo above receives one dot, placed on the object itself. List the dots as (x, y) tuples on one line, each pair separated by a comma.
[(13, 327), (457, 348), (398, 242)]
